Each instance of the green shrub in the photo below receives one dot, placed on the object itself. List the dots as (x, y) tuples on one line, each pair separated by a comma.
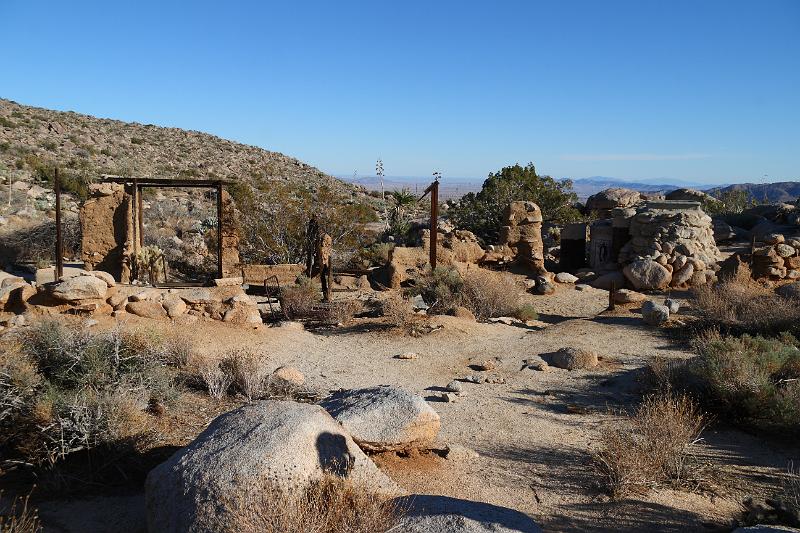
[(526, 312), (750, 380)]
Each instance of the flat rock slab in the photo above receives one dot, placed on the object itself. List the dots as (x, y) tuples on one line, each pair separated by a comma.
[(442, 514), (80, 288), (384, 418), (282, 443)]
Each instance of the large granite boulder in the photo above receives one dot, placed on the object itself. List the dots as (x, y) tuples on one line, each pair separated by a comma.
[(285, 444), (647, 275), (384, 418), (607, 200)]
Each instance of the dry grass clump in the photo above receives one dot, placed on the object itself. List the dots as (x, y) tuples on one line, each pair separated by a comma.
[(65, 390), (491, 294), (741, 305), (19, 517), (342, 311), (329, 505), (398, 311), (216, 378), (652, 447), (298, 300), (248, 371), (487, 294)]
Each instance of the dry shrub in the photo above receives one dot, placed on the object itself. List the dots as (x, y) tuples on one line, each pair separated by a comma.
[(790, 493), (652, 447), (66, 389), (487, 294), (328, 505), (741, 305), (342, 311), (19, 517), (216, 378), (398, 311), (248, 370), (298, 300), (491, 294), (749, 380)]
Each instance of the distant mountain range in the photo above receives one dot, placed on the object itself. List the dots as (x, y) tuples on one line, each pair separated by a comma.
[(786, 191)]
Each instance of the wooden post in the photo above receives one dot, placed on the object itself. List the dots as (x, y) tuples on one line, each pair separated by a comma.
[(219, 229), (140, 215), (434, 221), (611, 291), (59, 237)]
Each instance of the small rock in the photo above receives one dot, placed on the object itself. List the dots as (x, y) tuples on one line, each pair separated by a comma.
[(582, 287), (566, 277), (146, 309), (774, 238), (457, 452), (472, 379), (463, 312), (407, 356), (291, 324), (90, 322), (784, 250), (545, 288), (627, 296), (654, 314), (288, 376), (673, 305), (570, 358), (485, 366), (418, 303), (448, 397), (455, 386)]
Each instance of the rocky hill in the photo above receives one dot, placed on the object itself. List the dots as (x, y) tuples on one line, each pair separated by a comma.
[(33, 139), (784, 191)]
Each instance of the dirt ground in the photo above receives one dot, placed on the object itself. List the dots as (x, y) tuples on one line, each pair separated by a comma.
[(533, 433)]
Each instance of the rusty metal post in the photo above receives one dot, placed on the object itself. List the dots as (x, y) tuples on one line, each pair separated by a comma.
[(611, 291), (59, 237), (140, 215), (219, 230), (434, 221)]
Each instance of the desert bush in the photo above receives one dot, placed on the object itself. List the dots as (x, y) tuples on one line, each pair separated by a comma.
[(754, 381), (37, 243), (487, 294), (298, 300), (790, 492), (65, 390), (491, 294), (375, 255), (342, 311), (482, 213), (398, 311), (741, 305), (248, 370), (652, 447), (526, 312), (329, 505), (19, 517), (216, 378)]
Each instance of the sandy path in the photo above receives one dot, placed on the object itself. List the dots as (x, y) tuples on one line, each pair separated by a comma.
[(533, 452)]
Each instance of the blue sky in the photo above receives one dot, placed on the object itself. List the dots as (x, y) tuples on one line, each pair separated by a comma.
[(697, 90)]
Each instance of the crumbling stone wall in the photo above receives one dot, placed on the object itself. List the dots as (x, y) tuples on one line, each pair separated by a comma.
[(678, 237), (523, 234), (230, 237), (106, 227), (459, 249)]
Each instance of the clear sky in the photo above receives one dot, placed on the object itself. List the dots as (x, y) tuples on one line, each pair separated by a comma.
[(698, 90)]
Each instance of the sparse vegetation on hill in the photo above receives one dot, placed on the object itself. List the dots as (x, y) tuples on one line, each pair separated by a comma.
[(34, 140)]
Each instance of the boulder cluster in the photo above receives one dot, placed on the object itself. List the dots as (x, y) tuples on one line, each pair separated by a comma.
[(522, 235), (96, 293), (778, 259), (671, 245)]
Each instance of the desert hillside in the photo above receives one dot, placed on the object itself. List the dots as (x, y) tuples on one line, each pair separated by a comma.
[(32, 139)]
